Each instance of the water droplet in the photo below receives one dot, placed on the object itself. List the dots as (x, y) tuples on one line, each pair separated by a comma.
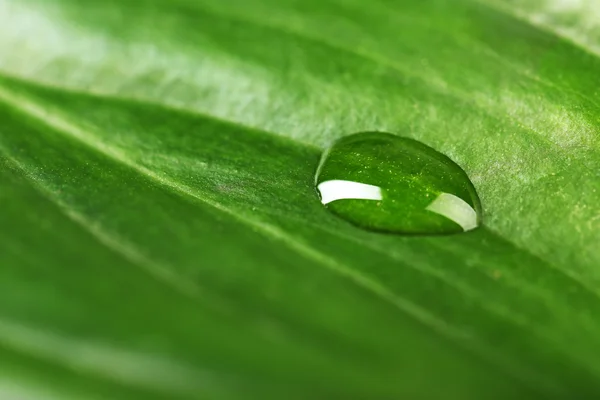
[(383, 182)]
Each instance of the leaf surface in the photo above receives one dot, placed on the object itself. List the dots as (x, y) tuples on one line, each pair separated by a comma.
[(162, 238)]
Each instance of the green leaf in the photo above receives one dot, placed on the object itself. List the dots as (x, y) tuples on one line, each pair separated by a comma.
[(162, 238)]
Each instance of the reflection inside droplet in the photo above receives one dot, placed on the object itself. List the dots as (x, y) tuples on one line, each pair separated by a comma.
[(338, 190), (455, 209)]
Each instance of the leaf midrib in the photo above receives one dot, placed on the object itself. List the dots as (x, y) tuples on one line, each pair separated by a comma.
[(572, 276)]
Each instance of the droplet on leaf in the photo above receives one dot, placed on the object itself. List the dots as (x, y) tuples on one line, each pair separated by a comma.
[(383, 182)]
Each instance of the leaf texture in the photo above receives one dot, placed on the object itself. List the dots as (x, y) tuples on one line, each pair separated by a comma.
[(162, 238)]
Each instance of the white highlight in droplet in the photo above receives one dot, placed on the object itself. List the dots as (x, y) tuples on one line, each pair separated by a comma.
[(338, 190), (455, 209)]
